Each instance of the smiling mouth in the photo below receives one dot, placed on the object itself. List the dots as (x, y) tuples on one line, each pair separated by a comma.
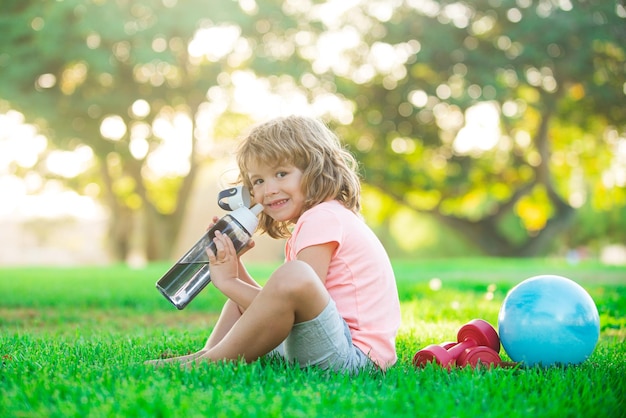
[(277, 203)]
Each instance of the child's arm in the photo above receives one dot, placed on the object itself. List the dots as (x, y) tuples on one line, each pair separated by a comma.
[(245, 276), (226, 275), (318, 257)]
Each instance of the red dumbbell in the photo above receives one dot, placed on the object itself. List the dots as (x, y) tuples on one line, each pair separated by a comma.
[(477, 342)]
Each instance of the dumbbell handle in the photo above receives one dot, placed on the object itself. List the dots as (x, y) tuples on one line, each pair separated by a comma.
[(444, 354), (458, 348)]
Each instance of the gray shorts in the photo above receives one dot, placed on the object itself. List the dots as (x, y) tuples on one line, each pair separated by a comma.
[(324, 342)]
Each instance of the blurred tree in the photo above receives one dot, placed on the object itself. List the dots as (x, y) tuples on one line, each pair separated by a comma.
[(122, 78), (498, 117)]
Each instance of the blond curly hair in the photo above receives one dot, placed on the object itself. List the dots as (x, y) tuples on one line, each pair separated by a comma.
[(329, 170)]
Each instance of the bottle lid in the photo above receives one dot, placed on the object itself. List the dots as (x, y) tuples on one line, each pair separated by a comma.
[(248, 217), (233, 198)]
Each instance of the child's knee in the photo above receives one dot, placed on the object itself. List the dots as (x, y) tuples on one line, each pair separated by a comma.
[(295, 277), (295, 267)]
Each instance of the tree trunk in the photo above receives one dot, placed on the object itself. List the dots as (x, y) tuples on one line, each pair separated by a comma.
[(120, 218)]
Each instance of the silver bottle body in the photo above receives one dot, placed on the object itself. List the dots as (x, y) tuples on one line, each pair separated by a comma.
[(186, 279)]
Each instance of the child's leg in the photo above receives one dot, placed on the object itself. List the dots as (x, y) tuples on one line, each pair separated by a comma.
[(229, 315), (231, 312), (293, 294)]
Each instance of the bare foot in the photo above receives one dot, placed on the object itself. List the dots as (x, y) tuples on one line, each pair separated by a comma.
[(179, 359)]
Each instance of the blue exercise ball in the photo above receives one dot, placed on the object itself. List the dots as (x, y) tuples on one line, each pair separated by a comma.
[(548, 320)]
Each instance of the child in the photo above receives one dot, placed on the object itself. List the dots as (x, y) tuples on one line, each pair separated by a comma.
[(333, 303)]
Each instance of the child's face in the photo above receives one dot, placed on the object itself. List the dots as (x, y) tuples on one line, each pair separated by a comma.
[(278, 189)]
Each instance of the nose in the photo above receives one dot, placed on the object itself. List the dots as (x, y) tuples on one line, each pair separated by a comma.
[(270, 189)]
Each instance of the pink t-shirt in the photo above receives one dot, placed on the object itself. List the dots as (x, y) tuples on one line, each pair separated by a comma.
[(360, 278)]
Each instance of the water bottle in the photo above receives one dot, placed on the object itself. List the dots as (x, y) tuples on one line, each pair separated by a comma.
[(185, 279)]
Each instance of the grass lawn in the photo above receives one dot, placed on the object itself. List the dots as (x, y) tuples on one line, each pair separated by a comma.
[(73, 342)]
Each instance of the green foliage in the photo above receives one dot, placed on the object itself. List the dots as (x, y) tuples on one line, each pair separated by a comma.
[(596, 228), (72, 64), (73, 342), (552, 71), (549, 69)]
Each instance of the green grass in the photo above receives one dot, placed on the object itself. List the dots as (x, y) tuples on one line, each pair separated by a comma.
[(73, 342)]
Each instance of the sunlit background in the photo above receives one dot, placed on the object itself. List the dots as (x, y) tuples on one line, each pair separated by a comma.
[(32, 198), (47, 217)]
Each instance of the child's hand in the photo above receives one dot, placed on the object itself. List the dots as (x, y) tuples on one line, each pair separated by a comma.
[(212, 224), (224, 263), (248, 247)]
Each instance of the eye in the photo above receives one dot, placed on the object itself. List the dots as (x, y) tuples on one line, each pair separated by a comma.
[(256, 182), (281, 174)]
